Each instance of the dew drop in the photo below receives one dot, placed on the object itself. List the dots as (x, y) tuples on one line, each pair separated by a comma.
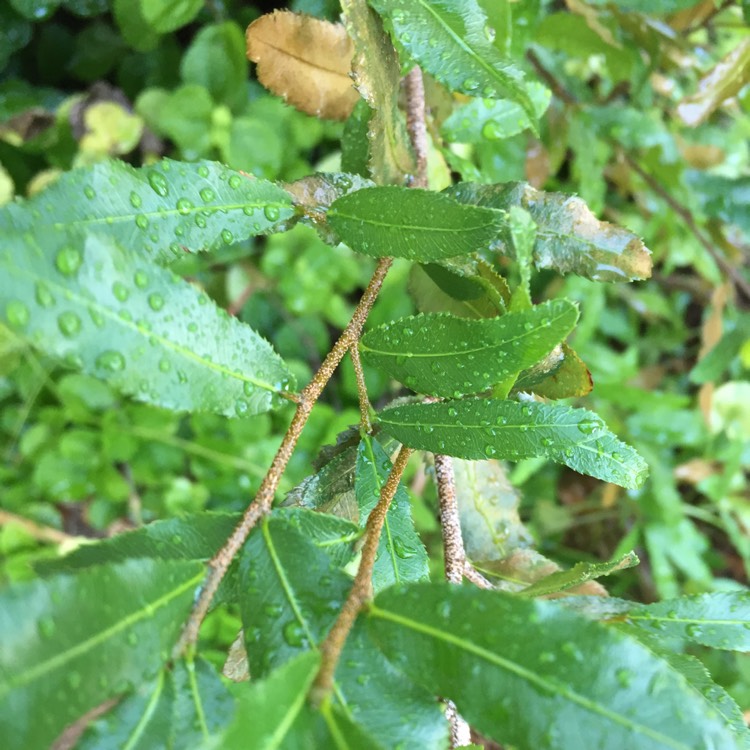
[(43, 295), (588, 427), (207, 195), (184, 206), (111, 360), (192, 327), (74, 680), (135, 200), (68, 323), (227, 237), (158, 184), (235, 181), (140, 279), (120, 291), (68, 260), (165, 365), (490, 450), (624, 676), (155, 301), (17, 314), (141, 222), (203, 171), (89, 192), (241, 407), (471, 84), (200, 221), (294, 634)]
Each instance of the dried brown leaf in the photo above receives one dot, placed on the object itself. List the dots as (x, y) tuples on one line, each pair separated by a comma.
[(304, 60)]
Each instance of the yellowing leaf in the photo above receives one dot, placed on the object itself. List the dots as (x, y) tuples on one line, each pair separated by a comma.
[(304, 60)]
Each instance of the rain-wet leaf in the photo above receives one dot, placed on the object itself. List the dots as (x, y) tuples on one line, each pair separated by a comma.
[(71, 642), (443, 355), (541, 676), (401, 555), (476, 429), (453, 42), (488, 510), (98, 306), (580, 573), (413, 224), (161, 210), (304, 60), (377, 74), (182, 707), (569, 237)]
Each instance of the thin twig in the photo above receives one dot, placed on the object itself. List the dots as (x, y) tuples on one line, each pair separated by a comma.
[(361, 591), (261, 505), (472, 575), (415, 123), (450, 525), (364, 401), (39, 532)]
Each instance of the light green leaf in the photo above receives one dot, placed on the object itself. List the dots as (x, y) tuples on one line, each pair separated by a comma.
[(489, 428), (401, 555), (541, 676), (355, 149), (580, 573), (71, 642), (100, 307), (376, 75), (443, 355), (569, 236), (182, 707), (413, 224), (168, 15), (451, 40), (565, 376), (159, 210)]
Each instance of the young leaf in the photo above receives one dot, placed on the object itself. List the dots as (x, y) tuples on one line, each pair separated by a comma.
[(442, 355), (377, 76), (182, 707), (580, 573), (486, 428), (532, 674), (159, 210), (401, 555), (569, 378), (71, 642), (268, 709), (452, 42), (413, 224), (569, 236), (304, 60), (100, 307)]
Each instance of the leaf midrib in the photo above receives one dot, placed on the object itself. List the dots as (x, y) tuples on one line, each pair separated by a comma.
[(525, 674), (335, 212)]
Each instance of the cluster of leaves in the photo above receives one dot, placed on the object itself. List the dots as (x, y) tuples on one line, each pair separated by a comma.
[(115, 283)]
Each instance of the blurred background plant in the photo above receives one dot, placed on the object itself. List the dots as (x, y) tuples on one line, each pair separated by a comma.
[(647, 121)]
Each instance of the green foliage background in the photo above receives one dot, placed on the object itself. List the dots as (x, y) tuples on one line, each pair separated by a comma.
[(81, 80)]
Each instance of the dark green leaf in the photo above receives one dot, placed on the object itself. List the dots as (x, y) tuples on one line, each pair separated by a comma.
[(160, 210), (99, 306), (181, 708), (71, 642), (569, 237), (355, 149), (535, 675), (486, 428), (401, 555), (453, 42), (442, 355), (413, 224)]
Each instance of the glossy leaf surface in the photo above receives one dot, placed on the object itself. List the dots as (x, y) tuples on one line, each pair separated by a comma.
[(569, 237), (443, 355), (401, 555), (97, 305), (160, 210), (540, 676), (67, 652), (451, 41), (486, 428), (413, 224)]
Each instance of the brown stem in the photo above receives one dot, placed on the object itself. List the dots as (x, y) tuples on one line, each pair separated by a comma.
[(364, 401), (450, 525), (261, 505), (361, 591), (39, 532), (415, 123)]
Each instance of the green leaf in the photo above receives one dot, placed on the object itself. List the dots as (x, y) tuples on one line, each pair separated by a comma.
[(168, 15), (355, 149), (452, 41), (569, 237), (133, 26), (159, 210), (71, 642), (541, 676), (413, 224), (150, 334), (442, 355), (216, 60), (716, 361), (182, 707), (401, 556), (267, 709), (35, 10), (718, 620), (578, 574), (377, 76), (487, 428), (569, 378)]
